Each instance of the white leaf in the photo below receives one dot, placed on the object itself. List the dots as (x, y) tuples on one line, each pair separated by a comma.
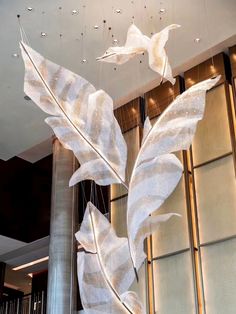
[(104, 267), (83, 118), (157, 171), (158, 59), (137, 43)]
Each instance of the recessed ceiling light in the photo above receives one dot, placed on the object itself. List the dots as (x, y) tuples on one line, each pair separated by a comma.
[(118, 11), (115, 41), (43, 34), (197, 40), (162, 11), (84, 61), (30, 9), (31, 263), (96, 27), (15, 55), (74, 12)]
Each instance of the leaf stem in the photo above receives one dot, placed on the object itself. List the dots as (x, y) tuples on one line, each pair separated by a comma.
[(70, 121), (101, 265)]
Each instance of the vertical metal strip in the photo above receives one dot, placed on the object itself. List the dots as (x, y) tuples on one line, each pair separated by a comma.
[(192, 236), (196, 233), (231, 122), (150, 279)]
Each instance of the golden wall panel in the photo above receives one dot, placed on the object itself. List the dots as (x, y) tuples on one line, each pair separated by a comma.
[(118, 221), (172, 235), (140, 287), (132, 139), (212, 138), (174, 287), (219, 273), (118, 216), (216, 199)]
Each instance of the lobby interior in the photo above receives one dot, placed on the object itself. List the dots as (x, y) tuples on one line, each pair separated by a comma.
[(190, 266)]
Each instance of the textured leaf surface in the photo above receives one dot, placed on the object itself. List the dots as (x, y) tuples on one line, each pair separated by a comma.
[(83, 118), (158, 59), (104, 267), (137, 43), (157, 171)]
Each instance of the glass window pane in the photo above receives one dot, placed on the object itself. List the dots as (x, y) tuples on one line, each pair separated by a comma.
[(219, 275), (172, 235), (173, 284), (216, 199), (132, 140), (212, 138), (118, 216)]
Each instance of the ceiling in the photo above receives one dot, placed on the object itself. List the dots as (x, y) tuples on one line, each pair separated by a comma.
[(8, 244), (22, 123), (21, 255)]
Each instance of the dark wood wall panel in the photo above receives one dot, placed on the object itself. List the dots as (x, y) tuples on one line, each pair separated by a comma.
[(159, 98), (217, 65), (232, 54), (129, 115)]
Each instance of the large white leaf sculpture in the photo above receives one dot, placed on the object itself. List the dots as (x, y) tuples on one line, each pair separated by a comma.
[(83, 118), (137, 43), (157, 171), (105, 270)]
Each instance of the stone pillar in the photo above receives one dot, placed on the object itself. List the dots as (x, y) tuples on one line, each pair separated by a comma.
[(62, 282), (2, 277)]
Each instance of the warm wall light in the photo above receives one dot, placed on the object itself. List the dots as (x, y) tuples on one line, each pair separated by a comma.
[(190, 81), (37, 261), (212, 68), (152, 101)]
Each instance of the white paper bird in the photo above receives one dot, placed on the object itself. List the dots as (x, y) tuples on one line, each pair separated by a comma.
[(137, 43)]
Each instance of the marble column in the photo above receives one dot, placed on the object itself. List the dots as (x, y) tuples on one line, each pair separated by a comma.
[(62, 282)]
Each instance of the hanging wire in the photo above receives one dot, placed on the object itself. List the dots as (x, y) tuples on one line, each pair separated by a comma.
[(23, 35), (207, 31)]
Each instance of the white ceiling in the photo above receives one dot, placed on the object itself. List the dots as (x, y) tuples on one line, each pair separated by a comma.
[(20, 254), (21, 122), (9, 244)]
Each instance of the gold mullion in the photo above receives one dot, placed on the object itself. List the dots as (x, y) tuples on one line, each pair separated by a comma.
[(150, 281), (231, 121), (194, 231)]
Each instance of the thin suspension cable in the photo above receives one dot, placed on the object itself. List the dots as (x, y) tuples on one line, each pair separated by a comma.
[(207, 31), (23, 35)]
